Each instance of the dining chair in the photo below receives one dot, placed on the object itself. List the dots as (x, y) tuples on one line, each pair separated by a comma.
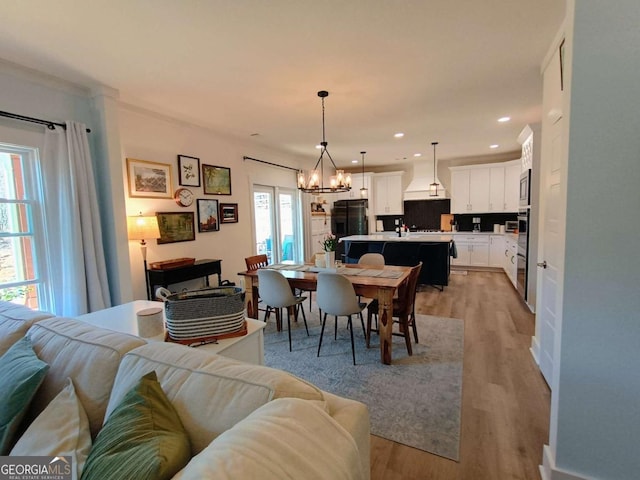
[(403, 309), (253, 263), (371, 259), (275, 291), (336, 296)]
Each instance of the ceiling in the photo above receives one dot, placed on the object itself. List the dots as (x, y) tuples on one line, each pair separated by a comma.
[(436, 70)]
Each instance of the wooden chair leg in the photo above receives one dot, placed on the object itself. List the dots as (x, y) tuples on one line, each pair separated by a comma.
[(413, 326), (407, 335)]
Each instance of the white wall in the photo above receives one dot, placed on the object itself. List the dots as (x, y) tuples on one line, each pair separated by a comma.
[(598, 407), (145, 135)]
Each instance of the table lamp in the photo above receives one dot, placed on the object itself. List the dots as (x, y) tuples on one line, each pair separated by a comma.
[(143, 228)]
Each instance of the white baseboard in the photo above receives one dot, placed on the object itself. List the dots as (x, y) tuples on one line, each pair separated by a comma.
[(548, 470), (535, 349)]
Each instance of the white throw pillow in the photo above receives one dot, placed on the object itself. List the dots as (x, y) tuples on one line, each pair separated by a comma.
[(62, 429), (285, 438)]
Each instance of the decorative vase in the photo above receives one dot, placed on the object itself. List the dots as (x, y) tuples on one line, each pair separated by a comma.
[(330, 258)]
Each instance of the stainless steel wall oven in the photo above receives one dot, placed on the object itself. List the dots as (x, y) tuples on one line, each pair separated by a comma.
[(523, 252)]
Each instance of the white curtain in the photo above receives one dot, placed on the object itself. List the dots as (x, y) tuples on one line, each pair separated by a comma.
[(77, 266)]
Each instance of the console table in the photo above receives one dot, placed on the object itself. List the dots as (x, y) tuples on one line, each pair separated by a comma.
[(169, 276)]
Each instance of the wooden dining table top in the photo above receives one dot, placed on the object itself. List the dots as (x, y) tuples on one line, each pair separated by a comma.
[(387, 276)]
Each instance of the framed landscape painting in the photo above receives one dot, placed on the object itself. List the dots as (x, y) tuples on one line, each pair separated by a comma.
[(208, 219), (216, 180), (149, 179), (176, 227), (189, 168)]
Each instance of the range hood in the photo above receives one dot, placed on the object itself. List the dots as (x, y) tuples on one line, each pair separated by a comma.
[(418, 188)]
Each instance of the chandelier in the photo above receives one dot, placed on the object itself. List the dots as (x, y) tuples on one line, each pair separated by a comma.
[(314, 182), (433, 187)]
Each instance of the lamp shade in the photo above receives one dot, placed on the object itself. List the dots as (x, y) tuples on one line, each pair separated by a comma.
[(142, 227)]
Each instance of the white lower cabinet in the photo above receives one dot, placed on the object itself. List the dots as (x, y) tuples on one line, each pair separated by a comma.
[(511, 259), (496, 251), (473, 250)]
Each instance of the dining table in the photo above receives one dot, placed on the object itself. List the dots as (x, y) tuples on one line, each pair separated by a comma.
[(370, 281)]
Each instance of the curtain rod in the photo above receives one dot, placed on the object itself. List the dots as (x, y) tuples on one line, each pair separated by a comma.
[(271, 163), (49, 124)]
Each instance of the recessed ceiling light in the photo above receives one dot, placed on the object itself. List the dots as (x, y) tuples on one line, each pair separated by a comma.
[(495, 145), (504, 119), (318, 147), (354, 161), (417, 154), (399, 135)]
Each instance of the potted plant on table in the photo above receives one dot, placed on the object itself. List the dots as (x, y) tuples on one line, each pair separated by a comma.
[(329, 245)]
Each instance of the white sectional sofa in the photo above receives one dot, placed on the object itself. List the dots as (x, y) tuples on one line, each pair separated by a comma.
[(242, 420)]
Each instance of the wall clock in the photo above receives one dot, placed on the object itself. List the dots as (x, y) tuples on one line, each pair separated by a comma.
[(183, 197)]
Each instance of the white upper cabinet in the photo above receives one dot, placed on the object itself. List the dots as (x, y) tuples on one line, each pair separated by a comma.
[(485, 188), (512, 186), (387, 193), (496, 189)]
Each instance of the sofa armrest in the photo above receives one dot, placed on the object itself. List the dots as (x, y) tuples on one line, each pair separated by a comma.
[(353, 416)]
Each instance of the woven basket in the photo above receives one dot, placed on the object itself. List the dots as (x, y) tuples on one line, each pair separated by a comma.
[(204, 313)]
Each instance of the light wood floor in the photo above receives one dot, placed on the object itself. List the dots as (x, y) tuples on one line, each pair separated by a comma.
[(505, 401)]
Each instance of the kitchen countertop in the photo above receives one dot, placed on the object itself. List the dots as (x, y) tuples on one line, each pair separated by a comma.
[(393, 237)]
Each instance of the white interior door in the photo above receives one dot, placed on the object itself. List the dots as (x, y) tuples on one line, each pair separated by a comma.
[(551, 251)]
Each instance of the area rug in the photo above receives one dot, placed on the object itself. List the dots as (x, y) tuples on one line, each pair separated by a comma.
[(415, 401)]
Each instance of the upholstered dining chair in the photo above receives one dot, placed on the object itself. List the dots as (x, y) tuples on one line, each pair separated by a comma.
[(403, 309), (275, 292), (336, 296), (371, 259)]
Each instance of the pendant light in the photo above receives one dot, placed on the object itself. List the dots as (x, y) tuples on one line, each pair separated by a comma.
[(363, 189), (433, 187), (314, 182)]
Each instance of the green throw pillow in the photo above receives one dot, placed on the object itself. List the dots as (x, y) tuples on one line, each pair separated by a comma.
[(143, 438), (22, 373)]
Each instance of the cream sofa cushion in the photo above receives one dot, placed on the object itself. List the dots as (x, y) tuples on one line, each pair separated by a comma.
[(88, 354), (286, 438), (207, 402), (15, 320)]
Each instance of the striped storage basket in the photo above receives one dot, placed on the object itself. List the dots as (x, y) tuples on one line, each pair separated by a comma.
[(204, 314)]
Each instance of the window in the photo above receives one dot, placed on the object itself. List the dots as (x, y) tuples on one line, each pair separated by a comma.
[(22, 278)]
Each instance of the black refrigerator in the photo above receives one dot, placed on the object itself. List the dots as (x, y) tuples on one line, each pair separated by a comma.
[(349, 217)]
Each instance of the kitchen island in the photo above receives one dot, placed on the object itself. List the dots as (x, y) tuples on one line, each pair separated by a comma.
[(432, 249)]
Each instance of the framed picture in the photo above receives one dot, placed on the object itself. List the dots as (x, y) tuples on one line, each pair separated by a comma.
[(208, 219), (189, 168), (216, 180), (149, 179), (176, 227), (228, 213)]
